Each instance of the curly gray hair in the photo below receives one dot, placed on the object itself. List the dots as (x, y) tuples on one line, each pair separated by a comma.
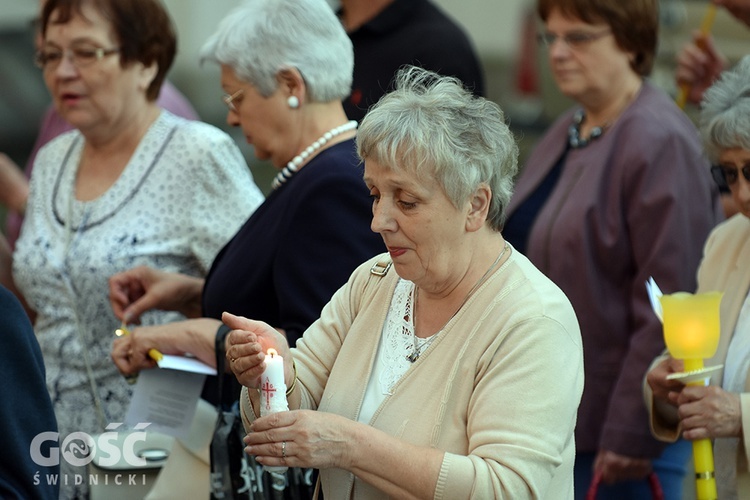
[(725, 112), (431, 126)]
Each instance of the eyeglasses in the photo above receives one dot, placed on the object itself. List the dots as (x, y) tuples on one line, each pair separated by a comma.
[(229, 99), (79, 56), (727, 176), (574, 39)]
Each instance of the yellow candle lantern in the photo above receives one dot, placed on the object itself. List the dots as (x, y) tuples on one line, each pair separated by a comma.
[(691, 332)]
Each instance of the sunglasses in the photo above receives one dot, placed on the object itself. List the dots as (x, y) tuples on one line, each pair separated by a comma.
[(727, 176)]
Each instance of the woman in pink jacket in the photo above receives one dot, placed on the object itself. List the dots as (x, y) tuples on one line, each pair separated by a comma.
[(616, 191)]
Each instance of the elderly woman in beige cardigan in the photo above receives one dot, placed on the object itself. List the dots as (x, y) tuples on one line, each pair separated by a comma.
[(449, 367), (720, 411)]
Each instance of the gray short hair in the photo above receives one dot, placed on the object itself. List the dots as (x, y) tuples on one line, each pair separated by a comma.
[(432, 126), (259, 38), (725, 112)]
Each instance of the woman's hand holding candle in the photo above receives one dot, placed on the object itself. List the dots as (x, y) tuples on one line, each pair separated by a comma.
[(660, 384), (253, 351), (708, 412), (247, 347)]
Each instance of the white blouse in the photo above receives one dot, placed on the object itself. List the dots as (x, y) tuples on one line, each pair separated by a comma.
[(184, 193)]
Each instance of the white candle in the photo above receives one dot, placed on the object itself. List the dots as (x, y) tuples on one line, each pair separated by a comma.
[(273, 391), (272, 385)]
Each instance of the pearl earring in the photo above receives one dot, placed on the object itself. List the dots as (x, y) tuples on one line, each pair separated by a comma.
[(293, 102)]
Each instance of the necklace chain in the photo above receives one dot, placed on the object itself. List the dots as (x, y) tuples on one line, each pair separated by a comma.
[(574, 131), (293, 166), (418, 348)]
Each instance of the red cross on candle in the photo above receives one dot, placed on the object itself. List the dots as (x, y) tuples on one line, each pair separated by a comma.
[(268, 389)]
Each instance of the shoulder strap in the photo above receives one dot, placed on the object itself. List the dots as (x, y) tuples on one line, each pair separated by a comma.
[(381, 267)]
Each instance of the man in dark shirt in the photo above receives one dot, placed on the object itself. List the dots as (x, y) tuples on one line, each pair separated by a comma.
[(387, 34)]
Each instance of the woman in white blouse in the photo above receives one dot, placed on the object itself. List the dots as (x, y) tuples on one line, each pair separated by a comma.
[(132, 185)]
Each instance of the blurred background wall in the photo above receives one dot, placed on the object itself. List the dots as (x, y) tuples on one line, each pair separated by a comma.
[(502, 30)]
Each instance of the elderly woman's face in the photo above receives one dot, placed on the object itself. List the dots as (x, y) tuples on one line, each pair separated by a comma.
[(421, 228), (585, 58), (266, 122), (735, 163), (82, 71)]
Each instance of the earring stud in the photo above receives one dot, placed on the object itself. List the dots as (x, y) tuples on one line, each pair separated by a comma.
[(293, 102)]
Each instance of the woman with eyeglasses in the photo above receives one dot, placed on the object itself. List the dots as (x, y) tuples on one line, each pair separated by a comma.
[(314, 227), (719, 411), (615, 192), (131, 185), (285, 67)]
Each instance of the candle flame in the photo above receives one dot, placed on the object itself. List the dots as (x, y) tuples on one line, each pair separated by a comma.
[(123, 330), (272, 352), (691, 324)]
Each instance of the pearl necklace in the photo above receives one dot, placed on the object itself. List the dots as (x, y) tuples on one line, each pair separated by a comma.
[(425, 343), (293, 166)]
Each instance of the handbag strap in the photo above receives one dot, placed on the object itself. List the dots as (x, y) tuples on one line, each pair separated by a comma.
[(316, 493), (653, 481), (219, 345)]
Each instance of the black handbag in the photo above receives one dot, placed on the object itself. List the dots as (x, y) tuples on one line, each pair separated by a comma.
[(235, 475), (228, 458)]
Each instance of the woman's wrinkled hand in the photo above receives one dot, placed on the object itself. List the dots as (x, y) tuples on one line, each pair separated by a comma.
[(660, 385), (708, 412), (138, 290), (614, 467), (699, 63), (301, 438), (130, 352), (246, 347)]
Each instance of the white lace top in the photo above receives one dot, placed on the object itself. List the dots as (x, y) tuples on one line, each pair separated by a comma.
[(396, 344)]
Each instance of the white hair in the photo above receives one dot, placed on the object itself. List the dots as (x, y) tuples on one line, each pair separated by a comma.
[(433, 126), (725, 112), (259, 38)]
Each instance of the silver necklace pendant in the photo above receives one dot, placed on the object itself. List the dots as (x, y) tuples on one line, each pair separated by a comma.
[(418, 348)]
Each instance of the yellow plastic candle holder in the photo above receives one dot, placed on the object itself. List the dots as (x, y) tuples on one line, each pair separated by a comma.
[(691, 333)]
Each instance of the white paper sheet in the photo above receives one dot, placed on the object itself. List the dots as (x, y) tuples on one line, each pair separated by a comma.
[(166, 399), (185, 364), (654, 292)]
